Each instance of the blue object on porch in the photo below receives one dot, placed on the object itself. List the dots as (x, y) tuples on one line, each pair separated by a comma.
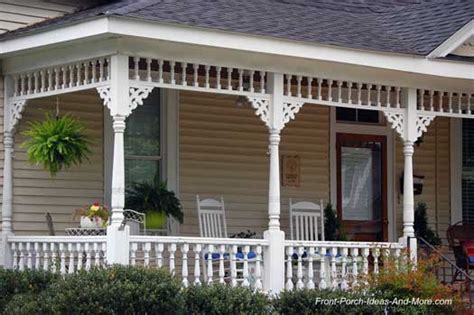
[(216, 256), (305, 254), (238, 255), (250, 255), (471, 259)]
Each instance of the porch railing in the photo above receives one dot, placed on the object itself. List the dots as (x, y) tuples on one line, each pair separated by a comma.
[(238, 262), (64, 254), (337, 264)]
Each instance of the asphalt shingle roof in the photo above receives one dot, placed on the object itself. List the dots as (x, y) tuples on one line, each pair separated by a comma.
[(399, 26)]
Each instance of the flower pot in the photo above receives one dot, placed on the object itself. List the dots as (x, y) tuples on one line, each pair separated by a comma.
[(90, 223), (155, 220)]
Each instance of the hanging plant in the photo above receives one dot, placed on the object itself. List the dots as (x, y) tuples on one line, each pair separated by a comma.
[(56, 143)]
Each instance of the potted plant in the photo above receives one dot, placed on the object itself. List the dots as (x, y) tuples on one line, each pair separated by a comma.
[(421, 226), (332, 226), (156, 201), (95, 215), (56, 143)]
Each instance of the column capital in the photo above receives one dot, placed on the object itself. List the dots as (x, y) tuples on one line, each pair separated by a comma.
[(118, 123)]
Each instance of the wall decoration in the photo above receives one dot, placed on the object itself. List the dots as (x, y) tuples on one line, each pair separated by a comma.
[(290, 170)]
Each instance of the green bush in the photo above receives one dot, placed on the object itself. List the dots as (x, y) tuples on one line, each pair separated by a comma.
[(224, 299), (23, 282)]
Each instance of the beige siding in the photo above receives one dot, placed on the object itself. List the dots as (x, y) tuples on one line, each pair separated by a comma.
[(35, 192), (431, 160), (223, 151)]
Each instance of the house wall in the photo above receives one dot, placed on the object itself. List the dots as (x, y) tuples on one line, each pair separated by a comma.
[(35, 192)]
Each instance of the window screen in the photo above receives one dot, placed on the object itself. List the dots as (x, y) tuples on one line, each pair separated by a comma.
[(468, 170)]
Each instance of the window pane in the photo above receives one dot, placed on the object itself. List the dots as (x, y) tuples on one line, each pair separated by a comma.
[(346, 114), (368, 116), (467, 171), (141, 170), (142, 134)]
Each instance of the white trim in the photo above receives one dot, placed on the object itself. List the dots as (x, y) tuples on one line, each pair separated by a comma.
[(110, 26), (456, 169), (338, 127), (454, 41), (108, 155)]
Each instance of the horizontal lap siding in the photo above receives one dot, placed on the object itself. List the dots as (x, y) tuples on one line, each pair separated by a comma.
[(431, 159), (223, 151), (35, 192)]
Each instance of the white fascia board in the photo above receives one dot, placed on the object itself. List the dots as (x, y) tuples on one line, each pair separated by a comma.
[(453, 42), (274, 46)]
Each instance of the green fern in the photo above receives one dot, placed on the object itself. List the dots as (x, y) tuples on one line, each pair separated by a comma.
[(56, 143)]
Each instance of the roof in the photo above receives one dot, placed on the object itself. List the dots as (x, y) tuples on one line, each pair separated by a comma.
[(398, 26)]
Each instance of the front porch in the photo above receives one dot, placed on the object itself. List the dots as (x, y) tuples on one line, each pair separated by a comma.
[(273, 261)]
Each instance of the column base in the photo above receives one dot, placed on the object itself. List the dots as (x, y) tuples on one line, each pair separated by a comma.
[(6, 257), (274, 262), (118, 245)]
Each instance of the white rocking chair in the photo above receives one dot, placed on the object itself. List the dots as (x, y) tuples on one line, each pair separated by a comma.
[(306, 221)]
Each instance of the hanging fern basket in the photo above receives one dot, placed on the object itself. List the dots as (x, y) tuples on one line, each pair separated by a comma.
[(56, 143)]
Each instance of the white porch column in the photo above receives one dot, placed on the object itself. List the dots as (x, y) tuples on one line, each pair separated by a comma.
[(7, 200), (408, 195), (274, 181), (118, 173)]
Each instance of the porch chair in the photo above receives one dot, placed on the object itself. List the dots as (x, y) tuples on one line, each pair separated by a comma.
[(135, 221), (306, 221), (212, 224)]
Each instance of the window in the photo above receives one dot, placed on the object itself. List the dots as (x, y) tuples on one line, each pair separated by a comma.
[(358, 115), (143, 150), (468, 171)]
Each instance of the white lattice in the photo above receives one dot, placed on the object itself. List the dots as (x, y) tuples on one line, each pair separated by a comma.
[(16, 110), (290, 110), (137, 95), (396, 120), (262, 107), (422, 122), (104, 94)]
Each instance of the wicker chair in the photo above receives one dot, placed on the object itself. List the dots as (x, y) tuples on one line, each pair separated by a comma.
[(457, 234)]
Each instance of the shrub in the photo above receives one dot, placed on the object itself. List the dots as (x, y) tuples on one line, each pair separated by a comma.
[(23, 282), (421, 225), (224, 299)]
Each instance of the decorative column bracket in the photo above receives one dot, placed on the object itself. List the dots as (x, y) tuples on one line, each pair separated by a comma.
[(398, 123), (16, 109), (262, 110), (136, 97)]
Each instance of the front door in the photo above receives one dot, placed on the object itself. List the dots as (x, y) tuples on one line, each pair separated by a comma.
[(362, 186)]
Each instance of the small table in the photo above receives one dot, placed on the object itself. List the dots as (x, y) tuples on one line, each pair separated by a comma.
[(86, 231)]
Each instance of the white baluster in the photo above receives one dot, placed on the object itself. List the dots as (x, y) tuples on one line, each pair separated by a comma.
[(38, 256), (289, 269), (94, 71), (14, 249), (229, 78), (376, 254), (79, 74), (365, 261), (86, 72), (397, 258), (159, 254), (107, 69), (309, 88), (330, 90), (333, 267), (88, 256), (339, 91), (22, 85), (369, 94), (62, 259), (379, 88), (207, 68), (298, 85), (450, 101), (288, 85), (241, 79), (15, 85), (101, 71), (70, 248), (221, 263), (36, 83), (184, 270), (80, 255), (160, 71), (172, 251), (349, 92), (320, 86), (196, 75), (344, 253), (29, 258), (440, 101), (71, 76), (322, 269), (30, 84), (21, 262), (355, 257), (148, 69), (432, 100), (299, 274), (136, 63), (233, 266), (252, 74), (397, 96), (258, 268), (388, 90), (459, 103), (146, 254), (245, 251), (45, 256), (43, 80), (262, 81), (64, 77), (469, 103), (310, 283), (54, 257), (209, 263), (218, 78), (359, 93), (50, 80), (96, 255), (133, 253), (184, 65), (197, 267), (172, 74)]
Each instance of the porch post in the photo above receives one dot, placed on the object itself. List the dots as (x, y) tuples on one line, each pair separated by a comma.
[(117, 234), (7, 199), (274, 255), (409, 96)]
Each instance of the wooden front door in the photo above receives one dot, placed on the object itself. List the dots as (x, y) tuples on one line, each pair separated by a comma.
[(362, 186)]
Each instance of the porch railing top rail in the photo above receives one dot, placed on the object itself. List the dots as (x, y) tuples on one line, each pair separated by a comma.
[(56, 239), (198, 240), (345, 244)]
